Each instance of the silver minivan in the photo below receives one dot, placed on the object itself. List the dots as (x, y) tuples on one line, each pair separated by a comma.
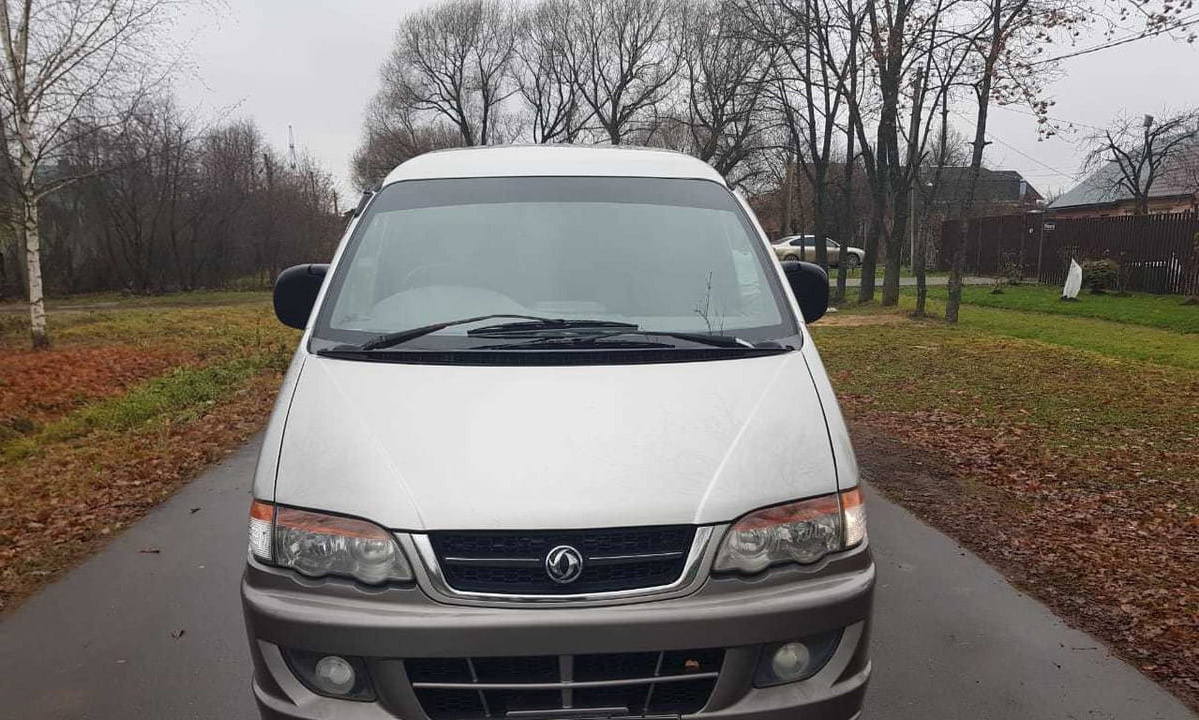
[(556, 445)]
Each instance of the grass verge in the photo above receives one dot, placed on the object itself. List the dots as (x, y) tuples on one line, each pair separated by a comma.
[(130, 404), (182, 392), (1071, 466), (1160, 311), (1135, 343)]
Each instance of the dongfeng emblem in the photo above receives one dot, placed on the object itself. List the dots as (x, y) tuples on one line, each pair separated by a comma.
[(564, 564)]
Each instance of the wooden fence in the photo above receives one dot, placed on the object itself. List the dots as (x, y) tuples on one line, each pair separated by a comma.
[(1156, 253)]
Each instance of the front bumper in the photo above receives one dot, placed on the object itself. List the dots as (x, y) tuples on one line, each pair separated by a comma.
[(740, 615)]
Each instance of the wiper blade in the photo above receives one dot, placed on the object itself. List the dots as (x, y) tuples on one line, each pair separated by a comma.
[(608, 339), (729, 341), (392, 339), (590, 342), (550, 324)]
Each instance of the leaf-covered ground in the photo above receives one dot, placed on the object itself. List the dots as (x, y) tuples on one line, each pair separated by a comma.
[(130, 403), (1075, 472), (37, 387)]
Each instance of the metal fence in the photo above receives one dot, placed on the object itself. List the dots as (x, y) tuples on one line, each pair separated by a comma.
[(1156, 253)]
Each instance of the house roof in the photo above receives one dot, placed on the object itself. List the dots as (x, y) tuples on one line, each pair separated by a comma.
[(994, 186), (1103, 187)]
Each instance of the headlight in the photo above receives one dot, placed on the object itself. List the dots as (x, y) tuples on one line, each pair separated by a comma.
[(315, 544), (800, 532)]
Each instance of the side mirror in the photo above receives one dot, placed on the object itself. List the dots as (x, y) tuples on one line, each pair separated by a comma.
[(809, 282), (295, 293)]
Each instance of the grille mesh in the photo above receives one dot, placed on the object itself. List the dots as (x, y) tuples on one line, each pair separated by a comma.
[(514, 562), (634, 684)]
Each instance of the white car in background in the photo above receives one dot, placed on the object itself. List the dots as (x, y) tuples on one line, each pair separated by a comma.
[(803, 247)]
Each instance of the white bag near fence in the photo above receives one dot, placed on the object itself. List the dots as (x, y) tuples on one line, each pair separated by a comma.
[(1073, 281)]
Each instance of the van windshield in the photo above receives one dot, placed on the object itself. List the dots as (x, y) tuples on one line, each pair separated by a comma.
[(665, 255)]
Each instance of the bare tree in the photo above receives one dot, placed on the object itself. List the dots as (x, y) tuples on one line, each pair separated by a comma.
[(906, 39), (543, 73), (1134, 154), (454, 60), (144, 225), (393, 134), (847, 84), (179, 207), (1003, 69), (69, 67), (727, 72), (623, 59)]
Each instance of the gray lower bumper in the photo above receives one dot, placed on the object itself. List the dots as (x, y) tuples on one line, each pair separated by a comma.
[(739, 615)]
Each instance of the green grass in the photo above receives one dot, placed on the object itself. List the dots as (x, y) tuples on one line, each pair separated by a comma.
[(1161, 311), (922, 366), (1121, 340), (179, 395), (124, 300), (208, 322), (220, 346)]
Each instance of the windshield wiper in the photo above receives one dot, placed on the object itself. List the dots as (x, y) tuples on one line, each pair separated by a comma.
[(599, 332), (539, 324), (589, 342), (534, 323), (598, 338), (729, 341), (605, 329)]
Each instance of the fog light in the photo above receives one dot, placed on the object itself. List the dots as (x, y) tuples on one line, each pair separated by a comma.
[(334, 675), (796, 660), (789, 661)]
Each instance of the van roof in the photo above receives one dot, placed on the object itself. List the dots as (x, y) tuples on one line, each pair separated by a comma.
[(553, 161)]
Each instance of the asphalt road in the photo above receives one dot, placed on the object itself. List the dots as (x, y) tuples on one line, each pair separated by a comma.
[(139, 635)]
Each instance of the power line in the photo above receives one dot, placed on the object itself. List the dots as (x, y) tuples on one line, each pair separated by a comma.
[(1187, 22), (1018, 151), (1049, 117)]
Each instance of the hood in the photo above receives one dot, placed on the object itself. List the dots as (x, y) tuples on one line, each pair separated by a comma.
[(436, 447)]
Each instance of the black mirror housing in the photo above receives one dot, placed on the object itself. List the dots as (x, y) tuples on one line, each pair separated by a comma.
[(809, 282), (296, 289)]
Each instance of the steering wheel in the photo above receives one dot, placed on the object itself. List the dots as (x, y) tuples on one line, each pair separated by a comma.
[(409, 281)]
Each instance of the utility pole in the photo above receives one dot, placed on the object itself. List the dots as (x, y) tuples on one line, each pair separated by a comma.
[(291, 146), (912, 224), (788, 192), (1141, 192)]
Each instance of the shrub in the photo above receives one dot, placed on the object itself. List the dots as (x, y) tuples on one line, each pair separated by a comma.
[(1010, 269), (1100, 275)]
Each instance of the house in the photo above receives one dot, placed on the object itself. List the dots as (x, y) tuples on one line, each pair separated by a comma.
[(999, 192), (1102, 194)]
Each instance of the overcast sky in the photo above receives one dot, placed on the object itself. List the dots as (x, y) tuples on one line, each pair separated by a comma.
[(314, 64)]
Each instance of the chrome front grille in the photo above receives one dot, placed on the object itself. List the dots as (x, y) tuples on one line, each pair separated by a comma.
[(514, 562), (674, 682)]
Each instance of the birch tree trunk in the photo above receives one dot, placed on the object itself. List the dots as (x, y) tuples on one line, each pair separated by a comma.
[(27, 200), (33, 264)]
